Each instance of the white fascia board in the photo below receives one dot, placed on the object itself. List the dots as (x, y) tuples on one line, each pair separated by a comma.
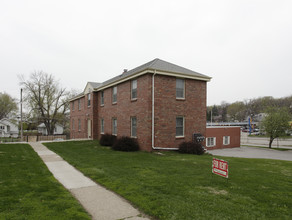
[(76, 97), (178, 75)]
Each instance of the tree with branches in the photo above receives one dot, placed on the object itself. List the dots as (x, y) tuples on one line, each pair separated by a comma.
[(276, 123), (45, 98), (7, 105)]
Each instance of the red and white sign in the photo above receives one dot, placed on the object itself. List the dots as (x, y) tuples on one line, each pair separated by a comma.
[(220, 167)]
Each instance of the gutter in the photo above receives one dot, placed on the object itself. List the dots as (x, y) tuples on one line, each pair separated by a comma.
[(153, 114)]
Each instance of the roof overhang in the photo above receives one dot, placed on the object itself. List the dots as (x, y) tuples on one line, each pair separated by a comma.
[(153, 71)]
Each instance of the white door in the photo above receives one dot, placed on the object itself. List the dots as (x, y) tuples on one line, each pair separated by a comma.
[(89, 128)]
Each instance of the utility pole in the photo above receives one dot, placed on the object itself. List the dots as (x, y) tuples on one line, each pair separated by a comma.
[(21, 126)]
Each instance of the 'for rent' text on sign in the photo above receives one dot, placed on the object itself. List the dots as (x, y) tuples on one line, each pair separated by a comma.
[(220, 167)]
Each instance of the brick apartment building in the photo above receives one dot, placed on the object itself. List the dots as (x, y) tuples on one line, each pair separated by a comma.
[(159, 103)]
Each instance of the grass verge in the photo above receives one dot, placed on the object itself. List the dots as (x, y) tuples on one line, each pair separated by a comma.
[(29, 191), (177, 186)]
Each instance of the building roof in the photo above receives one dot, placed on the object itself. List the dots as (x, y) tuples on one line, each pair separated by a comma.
[(156, 66), (160, 66)]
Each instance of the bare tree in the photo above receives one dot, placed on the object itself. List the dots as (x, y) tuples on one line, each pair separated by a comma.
[(45, 98)]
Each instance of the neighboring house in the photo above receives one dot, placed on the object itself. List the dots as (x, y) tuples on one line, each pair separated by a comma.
[(218, 137), (8, 128), (59, 129), (159, 103)]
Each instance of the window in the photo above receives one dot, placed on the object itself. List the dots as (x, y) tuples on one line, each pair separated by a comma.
[(115, 127), (101, 98), (73, 106), (79, 125), (102, 126), (8, 128), (211, 141), (2, 127), (179, 126), (180, 88), (226, 140), (133, 127), (73, 127), (115, 90), (134, 89), (79, 104), (88, 99)]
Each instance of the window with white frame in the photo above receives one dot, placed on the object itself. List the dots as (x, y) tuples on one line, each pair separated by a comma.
[(134, 89), (114, 126), (102, 98), (179, 126), (211, 141), (79, 104), (226, 140), (88, 99), (180, 88), (133, 127), (79, 125), (115, 91), (102, 126)]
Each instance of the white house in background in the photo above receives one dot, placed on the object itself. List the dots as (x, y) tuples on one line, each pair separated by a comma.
[(8, 128), (59, 129)]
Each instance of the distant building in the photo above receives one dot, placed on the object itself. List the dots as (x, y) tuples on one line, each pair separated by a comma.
[(218, 137), (8, 128), (59, 129)]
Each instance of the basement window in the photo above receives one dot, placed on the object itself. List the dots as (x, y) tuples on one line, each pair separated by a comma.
[(211, 142), (226, 140)]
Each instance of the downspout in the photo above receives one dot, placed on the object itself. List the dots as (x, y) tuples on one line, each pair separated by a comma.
[(153, 114)]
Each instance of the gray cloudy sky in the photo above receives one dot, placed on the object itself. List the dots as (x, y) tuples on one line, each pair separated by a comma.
[(244, 45)]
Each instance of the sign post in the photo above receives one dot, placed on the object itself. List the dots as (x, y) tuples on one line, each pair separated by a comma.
[(220, 167)]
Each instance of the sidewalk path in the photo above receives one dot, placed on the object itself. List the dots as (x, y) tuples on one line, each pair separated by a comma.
[(99, 202)]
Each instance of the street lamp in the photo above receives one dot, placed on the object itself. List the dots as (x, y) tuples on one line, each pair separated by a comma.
[(21, 126)]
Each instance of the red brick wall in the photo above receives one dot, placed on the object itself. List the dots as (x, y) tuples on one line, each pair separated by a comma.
[(125, 108), (84, 114), (167, 108), (219, 132)]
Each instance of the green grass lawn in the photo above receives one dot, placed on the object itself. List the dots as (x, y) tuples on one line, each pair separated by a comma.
[(29, 191), (177, 186)]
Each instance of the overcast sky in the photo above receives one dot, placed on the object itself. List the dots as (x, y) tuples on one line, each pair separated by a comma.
[(244, 45)]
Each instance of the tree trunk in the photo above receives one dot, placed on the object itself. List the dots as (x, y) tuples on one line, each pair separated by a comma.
[(271, 141)]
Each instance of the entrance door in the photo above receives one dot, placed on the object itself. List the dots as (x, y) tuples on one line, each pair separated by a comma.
[(88, 128)]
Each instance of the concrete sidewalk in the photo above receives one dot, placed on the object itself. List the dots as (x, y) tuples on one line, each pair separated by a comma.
[(99, 202), (253, 152)]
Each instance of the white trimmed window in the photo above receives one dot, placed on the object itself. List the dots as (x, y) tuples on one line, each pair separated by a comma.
[(115, 91), (226, 140), (180, 88), (79, 104), (101, 98), (180, 121), (88, 99), (134, 89), (114, 126), (102, 126), (133, 127), (79, 125), (211, 142)]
